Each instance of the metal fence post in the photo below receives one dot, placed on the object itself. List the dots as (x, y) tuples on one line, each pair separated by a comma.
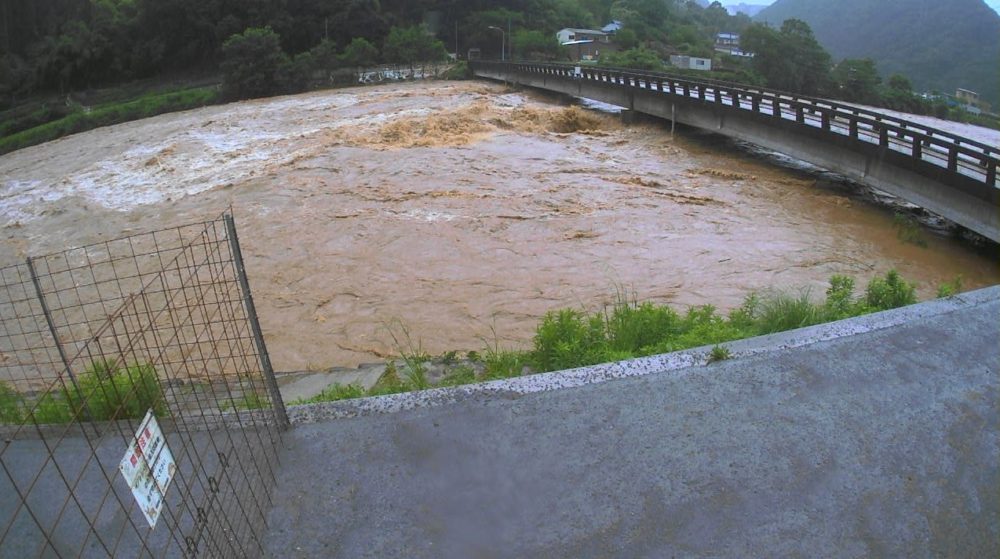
[(52, 330), (258, 336)]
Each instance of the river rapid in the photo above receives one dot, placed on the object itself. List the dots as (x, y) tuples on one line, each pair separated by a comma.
[(458, 213)]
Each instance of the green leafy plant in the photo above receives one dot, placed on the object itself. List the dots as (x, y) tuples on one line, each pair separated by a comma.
[(719, 353), (890, 292), (950, 288)]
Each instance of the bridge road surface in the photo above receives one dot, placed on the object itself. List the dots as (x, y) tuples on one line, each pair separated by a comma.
[(882, 444)]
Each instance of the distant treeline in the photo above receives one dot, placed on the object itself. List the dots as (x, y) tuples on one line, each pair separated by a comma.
[(263, 47)]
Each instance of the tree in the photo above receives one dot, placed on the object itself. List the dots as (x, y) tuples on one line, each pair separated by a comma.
[(359, 54), (534, 45), (253, 63), (857, 80), (789, 59), (626, 39), (409, 45), (637, 58), (899, 96)]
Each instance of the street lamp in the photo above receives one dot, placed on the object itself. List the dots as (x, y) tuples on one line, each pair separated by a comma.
[(503, 42)]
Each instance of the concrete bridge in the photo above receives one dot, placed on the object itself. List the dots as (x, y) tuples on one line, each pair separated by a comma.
[(952, 176)]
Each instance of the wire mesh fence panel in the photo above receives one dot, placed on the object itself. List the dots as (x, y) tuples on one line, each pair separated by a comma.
[(138, 408)]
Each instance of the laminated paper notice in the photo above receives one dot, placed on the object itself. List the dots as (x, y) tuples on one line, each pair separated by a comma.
[(148, 467)]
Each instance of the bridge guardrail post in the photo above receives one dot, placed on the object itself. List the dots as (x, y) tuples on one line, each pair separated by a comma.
[(918, 147)]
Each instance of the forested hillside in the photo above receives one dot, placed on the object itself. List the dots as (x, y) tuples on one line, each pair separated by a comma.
[(71, 65), (940, 45), (65, 45)]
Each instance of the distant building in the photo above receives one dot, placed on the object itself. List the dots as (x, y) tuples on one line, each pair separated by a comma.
[(967, 96), (691, 62), (729, 43), (727, 40), (587, 49), (612, 27), (570, 34)]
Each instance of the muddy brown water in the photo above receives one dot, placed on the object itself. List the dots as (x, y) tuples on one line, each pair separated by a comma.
[(456, 213)]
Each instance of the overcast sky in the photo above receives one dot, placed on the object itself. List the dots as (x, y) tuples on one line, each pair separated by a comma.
[(995, 4)]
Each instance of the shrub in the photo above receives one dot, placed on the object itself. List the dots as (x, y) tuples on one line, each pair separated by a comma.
[(839, 299), (782, 311), (567, 339), (889, 292)]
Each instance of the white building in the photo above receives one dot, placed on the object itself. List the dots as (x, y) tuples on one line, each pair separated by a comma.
[(570, 34), (691, 62)]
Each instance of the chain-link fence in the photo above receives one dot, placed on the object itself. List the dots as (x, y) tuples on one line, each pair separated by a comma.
[(138, 408)]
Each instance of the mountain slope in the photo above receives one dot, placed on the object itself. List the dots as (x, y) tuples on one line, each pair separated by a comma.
[(938, 45)]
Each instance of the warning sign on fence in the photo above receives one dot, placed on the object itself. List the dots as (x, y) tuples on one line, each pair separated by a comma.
[(148, 468)]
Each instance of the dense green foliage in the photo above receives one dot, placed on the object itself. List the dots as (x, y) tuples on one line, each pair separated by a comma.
[(253, 64), (939, 45), (639, 58), (104, 392), (790, 59)]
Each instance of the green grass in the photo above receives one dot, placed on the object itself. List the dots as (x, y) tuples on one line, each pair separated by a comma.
[(106, 392), (569, 338), (249, 401), (11, 405), (333, 393), (950, 288), (112, 113)]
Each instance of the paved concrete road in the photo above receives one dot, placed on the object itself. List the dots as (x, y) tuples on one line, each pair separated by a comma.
[(883, 444)]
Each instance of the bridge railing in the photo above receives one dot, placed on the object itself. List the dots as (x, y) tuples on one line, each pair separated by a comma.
[(957, 154)]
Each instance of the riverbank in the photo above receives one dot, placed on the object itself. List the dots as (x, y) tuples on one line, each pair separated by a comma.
[(570, 338)]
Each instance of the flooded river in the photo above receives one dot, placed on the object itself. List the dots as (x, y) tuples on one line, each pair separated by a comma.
[(456, 210)]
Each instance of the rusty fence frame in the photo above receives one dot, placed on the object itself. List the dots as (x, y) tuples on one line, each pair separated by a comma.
[(144, 350)]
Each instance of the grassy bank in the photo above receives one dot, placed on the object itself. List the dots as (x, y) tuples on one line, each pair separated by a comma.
[(569, 338), (106, 392), (105, 115)]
